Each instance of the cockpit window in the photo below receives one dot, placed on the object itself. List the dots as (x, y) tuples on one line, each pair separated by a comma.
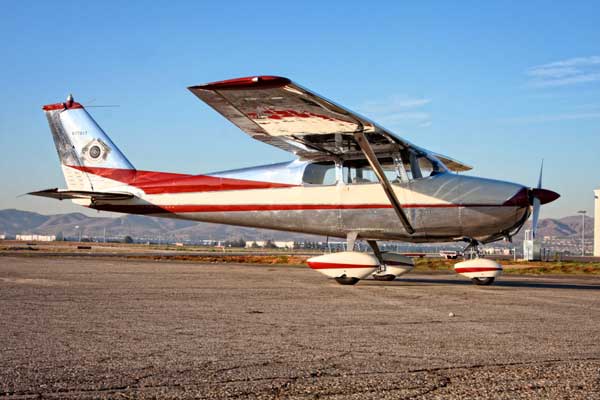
[(360, 171), (321, 173), (418, 165)]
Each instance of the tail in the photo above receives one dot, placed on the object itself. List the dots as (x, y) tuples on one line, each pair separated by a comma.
[(87, 155)]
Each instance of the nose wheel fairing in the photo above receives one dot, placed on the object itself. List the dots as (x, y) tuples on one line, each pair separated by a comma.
[(478, 268)]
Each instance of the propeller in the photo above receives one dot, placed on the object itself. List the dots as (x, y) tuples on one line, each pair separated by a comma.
[(536, 203), (537, 197)]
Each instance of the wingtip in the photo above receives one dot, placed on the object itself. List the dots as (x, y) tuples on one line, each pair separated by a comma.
[(249, 82)]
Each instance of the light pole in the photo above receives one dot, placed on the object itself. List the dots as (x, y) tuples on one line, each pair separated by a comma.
[(582, 212), (78, 227)]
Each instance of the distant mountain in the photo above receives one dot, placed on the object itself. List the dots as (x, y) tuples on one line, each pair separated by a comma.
[(14, 222), (562, 227)]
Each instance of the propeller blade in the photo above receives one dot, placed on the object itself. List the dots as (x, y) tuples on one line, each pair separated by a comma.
[(539, 186), (537, 204), (537, 197)]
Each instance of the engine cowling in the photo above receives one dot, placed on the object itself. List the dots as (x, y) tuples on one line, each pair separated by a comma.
[(478, 268), (350, 264)]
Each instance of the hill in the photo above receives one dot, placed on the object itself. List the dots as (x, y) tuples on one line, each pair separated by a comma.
[(14, 222)]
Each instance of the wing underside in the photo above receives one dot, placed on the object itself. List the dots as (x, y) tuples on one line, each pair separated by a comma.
[(281, 113)]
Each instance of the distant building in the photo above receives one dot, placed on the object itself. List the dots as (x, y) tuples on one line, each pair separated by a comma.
[(37, 238), (2, 237), (263, 243), (597, 223), (532, 249)]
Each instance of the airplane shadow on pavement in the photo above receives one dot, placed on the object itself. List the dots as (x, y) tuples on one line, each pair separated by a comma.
[(525, 283)]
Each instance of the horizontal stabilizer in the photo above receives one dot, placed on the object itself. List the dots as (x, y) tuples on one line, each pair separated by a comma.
[(62, 194)]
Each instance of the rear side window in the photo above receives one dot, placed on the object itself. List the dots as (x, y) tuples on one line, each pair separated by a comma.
[(321, 173)]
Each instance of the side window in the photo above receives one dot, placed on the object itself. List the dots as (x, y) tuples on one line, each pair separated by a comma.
[(360, 171), (321, 173), (390, 169)]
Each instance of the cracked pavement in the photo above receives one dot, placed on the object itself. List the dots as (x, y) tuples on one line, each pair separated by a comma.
[(109, 328)]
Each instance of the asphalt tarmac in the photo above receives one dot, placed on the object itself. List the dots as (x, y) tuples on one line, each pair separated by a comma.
[(109, 328)]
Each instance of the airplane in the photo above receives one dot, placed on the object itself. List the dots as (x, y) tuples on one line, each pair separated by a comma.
[(350, 178)]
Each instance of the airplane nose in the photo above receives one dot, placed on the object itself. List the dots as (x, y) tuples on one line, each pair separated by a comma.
[(545, 195)]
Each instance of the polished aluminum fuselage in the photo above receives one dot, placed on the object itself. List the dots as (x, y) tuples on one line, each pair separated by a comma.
[(442, 207)]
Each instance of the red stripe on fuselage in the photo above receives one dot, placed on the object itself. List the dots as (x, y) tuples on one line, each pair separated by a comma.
[(153, 182)]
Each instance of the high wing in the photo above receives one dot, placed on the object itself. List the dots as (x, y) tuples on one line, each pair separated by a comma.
[(279, 112)]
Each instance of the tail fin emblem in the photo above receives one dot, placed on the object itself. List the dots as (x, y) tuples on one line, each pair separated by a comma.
[(95, 151)]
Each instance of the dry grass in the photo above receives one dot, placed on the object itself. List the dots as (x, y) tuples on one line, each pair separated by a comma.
[(245, 259)]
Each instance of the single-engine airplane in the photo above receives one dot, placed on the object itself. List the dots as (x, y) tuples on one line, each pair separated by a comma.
[(351, 178)]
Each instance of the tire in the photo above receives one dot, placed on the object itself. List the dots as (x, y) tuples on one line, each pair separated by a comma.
[(483, 281), (345, 280), (388, 277)]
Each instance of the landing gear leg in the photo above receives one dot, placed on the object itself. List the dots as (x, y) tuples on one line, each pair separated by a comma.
[(472, 250), (381, 274), (351, 240)]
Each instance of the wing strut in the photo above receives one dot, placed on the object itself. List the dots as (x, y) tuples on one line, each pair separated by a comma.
[(366, 148)]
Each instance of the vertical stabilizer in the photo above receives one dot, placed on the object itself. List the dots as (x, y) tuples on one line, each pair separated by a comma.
[(84, 149)]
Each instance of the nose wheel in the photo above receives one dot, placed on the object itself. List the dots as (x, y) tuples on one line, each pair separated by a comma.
[(483, 281)]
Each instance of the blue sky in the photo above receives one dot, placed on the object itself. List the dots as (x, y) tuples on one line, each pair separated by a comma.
[(499, 85)]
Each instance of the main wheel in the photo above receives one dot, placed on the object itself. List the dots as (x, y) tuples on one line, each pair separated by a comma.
[(387, 277), (483, 281), (345, 280)]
